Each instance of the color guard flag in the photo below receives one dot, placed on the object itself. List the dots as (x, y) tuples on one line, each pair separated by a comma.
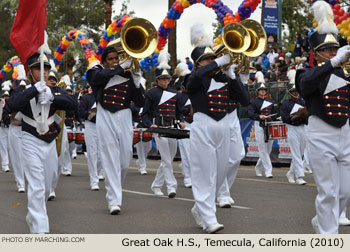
[(27, 33)]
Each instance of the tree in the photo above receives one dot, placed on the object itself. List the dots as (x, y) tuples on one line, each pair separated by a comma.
[(7, 14), (217, 26), (296, 18), (108, 12), (172, 41)]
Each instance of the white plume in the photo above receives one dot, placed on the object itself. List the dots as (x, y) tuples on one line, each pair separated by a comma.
[(53, 67), (21, 72), (199, 37), (65, 78), (163, 59), (6, 85), (45, 45), (183, 68), (143, 82), (323, 14)]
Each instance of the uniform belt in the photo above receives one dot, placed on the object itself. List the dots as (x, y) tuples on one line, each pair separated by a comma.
[(161, 121)]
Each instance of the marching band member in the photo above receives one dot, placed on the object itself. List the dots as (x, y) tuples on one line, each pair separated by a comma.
[(163, 108), (326, 92), (114, 88), (184, 144), (15, 143), (261, 110), (87, 114), (142, 147), (237, 151), (210, 92), (39, 149), (296, 134), (69, 121), (65, 159), (4, 130)]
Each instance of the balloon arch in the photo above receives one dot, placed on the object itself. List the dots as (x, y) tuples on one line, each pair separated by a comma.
[(223, 12)]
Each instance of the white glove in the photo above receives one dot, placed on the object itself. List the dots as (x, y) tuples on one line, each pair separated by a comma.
[(136, 76), (223, 60), (244, 78), (46, 96), (343, 55), (126, 63), (40, 87), (230, 72)]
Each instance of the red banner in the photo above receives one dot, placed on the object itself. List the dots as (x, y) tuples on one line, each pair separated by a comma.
[(27, 33)]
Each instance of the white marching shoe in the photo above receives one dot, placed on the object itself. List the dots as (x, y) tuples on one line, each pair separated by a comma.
[(114, 210), (95, 188), (157, 191), (290, 177), (52, 195), (344, 222), (214, 228), (300, 181), (197, 217)]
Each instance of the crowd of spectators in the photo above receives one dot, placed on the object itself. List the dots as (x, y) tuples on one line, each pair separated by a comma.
[(277, 65)]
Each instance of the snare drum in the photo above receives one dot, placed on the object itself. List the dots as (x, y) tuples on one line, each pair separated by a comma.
[(70, 135), (146, 136), (79, 137), (277, 130), (136, 137)]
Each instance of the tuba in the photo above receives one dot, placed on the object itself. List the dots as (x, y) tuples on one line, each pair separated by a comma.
[(241, 41), (138, 39)]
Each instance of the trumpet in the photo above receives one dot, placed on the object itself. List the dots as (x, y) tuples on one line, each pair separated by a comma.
[(241, 41), (138, 39)]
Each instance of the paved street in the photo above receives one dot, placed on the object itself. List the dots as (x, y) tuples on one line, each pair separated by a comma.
[(261, 205)]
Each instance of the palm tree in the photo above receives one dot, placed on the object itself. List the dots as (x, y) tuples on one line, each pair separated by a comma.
[(172, 41), (108, 12)]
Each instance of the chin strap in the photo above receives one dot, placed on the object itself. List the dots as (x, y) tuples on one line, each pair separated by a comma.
[(322, 57)]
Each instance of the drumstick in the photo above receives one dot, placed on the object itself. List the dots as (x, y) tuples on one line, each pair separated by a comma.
[(271, 115)]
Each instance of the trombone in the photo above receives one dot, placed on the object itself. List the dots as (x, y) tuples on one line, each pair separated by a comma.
[(241, 41), (138, 39)]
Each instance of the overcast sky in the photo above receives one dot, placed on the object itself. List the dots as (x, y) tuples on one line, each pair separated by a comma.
[(155, 11)]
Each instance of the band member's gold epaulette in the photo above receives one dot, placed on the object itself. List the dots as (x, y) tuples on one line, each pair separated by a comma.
[(57, 93)]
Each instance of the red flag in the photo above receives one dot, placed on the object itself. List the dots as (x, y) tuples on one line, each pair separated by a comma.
[(27, 33)]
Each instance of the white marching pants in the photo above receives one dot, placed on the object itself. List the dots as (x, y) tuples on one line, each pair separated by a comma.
[(296, 141), (64, 160), (73, 149), (93, 152), (210, 145), (4, 153), (236, 154), (115, 133), (167, 148), (185, 145), (142, 150), (38, 157), (264, 162), (15, 151), (328, 150)]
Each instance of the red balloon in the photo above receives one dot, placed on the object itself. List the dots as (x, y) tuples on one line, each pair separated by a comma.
[(337, 6), (341, 12), (336, 19)]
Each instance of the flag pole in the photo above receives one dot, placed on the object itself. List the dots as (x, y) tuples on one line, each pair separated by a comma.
[(42, 124)]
